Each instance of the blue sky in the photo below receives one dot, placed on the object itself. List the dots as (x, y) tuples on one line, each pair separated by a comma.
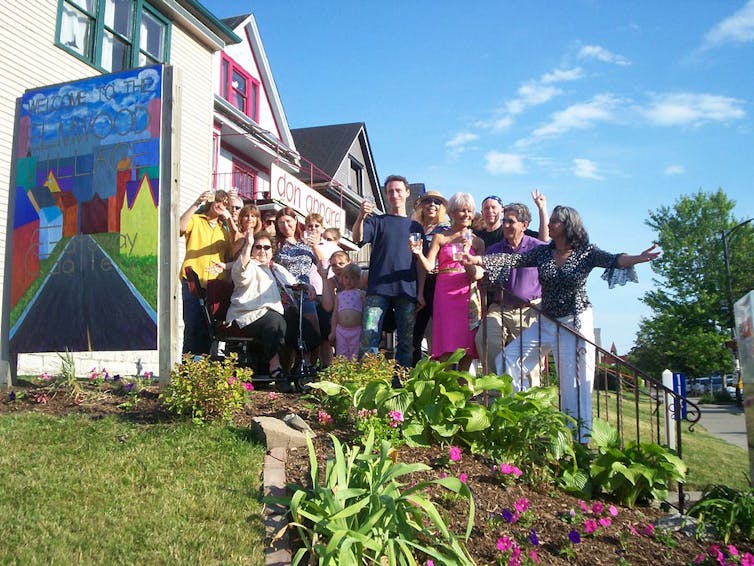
[(613, 107)]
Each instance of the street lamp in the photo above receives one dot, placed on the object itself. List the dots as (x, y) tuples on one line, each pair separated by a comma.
[(725, 235)]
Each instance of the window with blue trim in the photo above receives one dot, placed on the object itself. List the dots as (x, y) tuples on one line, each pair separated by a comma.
[(113, 35)]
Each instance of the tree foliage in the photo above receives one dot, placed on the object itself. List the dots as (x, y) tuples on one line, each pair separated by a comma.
[(691, 319)]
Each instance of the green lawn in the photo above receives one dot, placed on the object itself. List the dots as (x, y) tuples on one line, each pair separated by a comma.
[(113, 492)]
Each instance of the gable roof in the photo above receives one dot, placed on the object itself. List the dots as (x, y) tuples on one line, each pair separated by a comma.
[(247, 25), (326, 146)]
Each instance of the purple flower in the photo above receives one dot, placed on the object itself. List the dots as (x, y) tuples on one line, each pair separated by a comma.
[(574, 536), (12, 396), (128, 386), (454, 453), (507, 516), (533, 538)]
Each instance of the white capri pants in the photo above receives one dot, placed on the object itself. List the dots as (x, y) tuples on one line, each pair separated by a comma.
[(574, 358)]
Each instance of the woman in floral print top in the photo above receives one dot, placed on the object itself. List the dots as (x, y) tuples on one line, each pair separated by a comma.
[(563, 266)]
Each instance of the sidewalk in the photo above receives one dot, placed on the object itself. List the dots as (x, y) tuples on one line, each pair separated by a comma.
[(725, 422)]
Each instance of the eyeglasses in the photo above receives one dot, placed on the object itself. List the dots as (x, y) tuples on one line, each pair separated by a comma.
[(509, 222), (261, 247), (497, 199), (435, 201)]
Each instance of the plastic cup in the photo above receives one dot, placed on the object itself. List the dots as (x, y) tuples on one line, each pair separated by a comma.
[(414, 237)]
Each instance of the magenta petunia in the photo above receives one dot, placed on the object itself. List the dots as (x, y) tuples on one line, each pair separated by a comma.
[(590, 525), (463, 477), (454, 453), (606, 521)]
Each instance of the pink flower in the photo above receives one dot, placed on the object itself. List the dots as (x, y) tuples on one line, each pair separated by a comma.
[(231, 380), (699, 559), (396, 418), (590, 525), (733, 550), (45, 376), (430, 563), (510, 469), (747, 559), (273, 395), (597, 508), (533, 556), (443, 475), (455, 453), (248, 386), (606, 521), (463, 477), (632, 530), (324, 418), (521, 505), (584, 506), (649, 530), (504, 544), (613, 510)]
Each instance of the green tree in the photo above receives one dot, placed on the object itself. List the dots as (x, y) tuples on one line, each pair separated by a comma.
[(691, 319)]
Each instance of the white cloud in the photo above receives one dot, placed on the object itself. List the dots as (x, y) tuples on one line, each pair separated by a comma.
[(738, 28), (691, 109), (602, 54), (580, 116), (675, 170), (585, 168), (460, 140), (533, 92), (504, 163)]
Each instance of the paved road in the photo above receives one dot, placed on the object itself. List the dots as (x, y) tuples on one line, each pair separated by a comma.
[(84, 305), (725, 422)]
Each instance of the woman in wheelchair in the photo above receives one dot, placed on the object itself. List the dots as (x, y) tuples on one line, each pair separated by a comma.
[(256, 306)]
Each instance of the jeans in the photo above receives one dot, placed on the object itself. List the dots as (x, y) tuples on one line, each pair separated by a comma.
[(195, 331), (375, 307)]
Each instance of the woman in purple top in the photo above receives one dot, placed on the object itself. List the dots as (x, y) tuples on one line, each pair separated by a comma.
[(563, 267)]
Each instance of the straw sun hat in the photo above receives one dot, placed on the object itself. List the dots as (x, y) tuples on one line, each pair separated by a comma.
[(431, 194)]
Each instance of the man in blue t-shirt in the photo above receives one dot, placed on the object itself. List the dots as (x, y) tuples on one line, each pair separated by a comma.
[(395, 281)]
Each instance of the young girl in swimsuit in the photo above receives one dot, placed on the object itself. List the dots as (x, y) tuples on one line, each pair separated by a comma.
[(346, 317)]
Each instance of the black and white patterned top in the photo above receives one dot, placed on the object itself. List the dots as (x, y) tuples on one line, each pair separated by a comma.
[(563, 286), (296, 258)]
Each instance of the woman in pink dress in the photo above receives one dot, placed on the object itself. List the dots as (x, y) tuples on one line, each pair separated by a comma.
[(455, 315)]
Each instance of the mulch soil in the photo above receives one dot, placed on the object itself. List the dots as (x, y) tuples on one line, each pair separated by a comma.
[(626, 540)]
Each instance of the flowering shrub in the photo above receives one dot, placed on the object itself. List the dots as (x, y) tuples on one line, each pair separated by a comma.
[(727, 555), (207, 390)]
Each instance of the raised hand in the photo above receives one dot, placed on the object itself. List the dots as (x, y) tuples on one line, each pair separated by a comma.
[(539, 199)]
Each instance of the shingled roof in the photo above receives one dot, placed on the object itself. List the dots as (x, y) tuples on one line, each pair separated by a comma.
[(326, 146), (234, 21)]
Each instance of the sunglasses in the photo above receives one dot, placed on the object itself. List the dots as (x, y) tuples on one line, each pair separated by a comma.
[(435, 201), (261, 247), (497, 199), (237, 207), (330, 239)]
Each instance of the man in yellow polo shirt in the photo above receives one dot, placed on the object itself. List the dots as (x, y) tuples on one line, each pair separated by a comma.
[(208, 240)]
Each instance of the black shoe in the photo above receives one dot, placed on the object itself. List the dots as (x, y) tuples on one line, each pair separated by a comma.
[(397, 382), (281, 379)]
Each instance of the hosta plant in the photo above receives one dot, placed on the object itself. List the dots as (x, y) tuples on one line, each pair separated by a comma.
[(359, 512), (638, 472)]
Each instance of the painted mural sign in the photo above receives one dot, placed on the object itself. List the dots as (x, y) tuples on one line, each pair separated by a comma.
[(301, 197), (85, 219)]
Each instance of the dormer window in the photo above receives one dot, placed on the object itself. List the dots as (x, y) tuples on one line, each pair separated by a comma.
[(239, 88)]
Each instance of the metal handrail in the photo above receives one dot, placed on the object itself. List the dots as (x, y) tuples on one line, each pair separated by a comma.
[(626, 380)]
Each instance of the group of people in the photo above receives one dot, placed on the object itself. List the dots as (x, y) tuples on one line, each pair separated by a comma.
[(429, 266)]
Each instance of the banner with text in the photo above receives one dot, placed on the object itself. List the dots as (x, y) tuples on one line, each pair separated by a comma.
[(293, 192)]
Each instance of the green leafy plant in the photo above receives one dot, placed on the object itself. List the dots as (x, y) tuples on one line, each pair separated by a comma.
[(528, 429), (207, 390), (359, 512), (67, 380), (729, 511), (436, 402), (638, 472)]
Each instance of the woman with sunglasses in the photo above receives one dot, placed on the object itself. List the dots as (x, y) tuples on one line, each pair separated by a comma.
[(430, 212), (256, 306)]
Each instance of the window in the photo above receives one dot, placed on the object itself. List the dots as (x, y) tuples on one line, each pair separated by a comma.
[(356, 176), (113, 35), (239, 88), (245, 179)]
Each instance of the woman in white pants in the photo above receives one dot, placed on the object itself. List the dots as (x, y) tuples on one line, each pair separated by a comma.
[(563, 266)]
